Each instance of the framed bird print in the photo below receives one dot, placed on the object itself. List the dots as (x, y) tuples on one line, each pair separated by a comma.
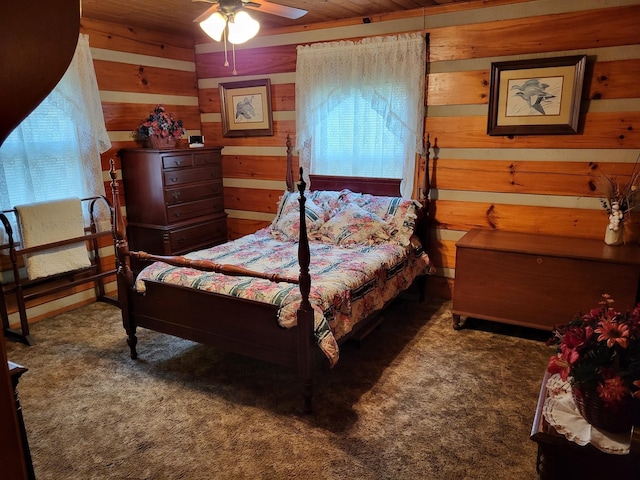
[(245, 108), (536, 97)]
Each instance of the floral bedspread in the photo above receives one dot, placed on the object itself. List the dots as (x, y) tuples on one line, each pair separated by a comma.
[(347, 284)]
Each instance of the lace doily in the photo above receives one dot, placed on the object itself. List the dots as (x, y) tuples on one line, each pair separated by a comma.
[(560, 411)]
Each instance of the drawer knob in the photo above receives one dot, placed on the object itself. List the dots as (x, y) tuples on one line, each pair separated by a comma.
[(178, 162), (176, 195), (182, 240), (539, 261), (173, 179), (178, 213)]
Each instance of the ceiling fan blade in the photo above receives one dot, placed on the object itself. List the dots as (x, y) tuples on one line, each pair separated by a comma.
[(208, 12), (280, 10)]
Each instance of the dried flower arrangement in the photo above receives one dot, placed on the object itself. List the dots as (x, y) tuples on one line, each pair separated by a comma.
[(619, 198)]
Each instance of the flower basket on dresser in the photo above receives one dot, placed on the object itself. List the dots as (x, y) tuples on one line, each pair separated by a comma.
[(160, 130), (157, 141)]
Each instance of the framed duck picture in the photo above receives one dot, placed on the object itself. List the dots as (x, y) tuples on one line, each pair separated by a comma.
[(245, 108), (540, 96)]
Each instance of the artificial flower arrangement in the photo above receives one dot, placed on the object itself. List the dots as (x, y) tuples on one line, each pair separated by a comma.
[(160, 123), (600, 352)]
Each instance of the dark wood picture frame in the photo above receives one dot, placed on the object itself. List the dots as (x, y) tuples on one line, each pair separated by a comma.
[(539, 96), (245, 108)]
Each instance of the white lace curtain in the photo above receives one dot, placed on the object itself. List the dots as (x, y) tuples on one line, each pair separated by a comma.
[(55, 152), (387, 72)]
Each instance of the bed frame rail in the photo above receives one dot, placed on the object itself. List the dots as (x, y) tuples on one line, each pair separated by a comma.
[(208, 266)]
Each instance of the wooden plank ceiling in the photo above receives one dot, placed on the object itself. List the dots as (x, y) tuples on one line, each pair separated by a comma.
[(177, 15)]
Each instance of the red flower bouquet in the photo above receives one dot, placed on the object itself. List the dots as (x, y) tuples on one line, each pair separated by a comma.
[(599, 354)]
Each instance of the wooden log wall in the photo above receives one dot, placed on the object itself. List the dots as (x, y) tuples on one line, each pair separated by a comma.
[(538, 183)]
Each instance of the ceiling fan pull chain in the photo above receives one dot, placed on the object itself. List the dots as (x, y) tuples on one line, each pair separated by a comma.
[(233, 50), (226, 60)]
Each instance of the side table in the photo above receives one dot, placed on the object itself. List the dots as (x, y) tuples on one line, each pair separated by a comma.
[(560, 458)]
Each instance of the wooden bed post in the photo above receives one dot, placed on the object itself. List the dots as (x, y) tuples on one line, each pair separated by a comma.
[(425, 195), (305, 312), (289, 174), (123, 269), (426, 181), (422, 222)]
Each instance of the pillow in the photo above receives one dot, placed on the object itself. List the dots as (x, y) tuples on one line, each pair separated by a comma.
[(288, 202), (328, 200), (352, 225), (399, 213), (287, 226)]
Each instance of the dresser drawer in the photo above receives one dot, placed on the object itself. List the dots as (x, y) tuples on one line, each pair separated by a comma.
[(193, 192), (177, 161), (209, 158), (185, 211), (193, 237), (190, 175)]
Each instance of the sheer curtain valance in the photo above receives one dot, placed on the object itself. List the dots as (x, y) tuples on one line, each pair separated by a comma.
[(55, 152), (381, 81)]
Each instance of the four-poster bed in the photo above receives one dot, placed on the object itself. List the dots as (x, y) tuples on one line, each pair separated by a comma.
[(252, 297)]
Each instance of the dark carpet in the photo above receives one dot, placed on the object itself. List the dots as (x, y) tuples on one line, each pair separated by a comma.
[(414, 400)]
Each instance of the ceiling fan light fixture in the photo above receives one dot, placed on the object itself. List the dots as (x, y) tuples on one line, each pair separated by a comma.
[(242, 27), (214, 26)]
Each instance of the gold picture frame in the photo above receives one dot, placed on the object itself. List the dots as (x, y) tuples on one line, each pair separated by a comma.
[(246, 108), (540, 96)]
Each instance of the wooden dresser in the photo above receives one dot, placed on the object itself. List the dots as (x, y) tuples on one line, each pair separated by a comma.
[(174, 199), (539, 280)]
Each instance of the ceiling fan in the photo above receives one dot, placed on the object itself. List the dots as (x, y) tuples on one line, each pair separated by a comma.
[(228, 19), (230, 7)]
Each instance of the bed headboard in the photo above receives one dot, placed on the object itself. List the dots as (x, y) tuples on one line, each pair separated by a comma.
[(387, 187)]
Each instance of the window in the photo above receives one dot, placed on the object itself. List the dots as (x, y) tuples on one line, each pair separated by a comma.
[(353, 140), (360, 107), (41, 159)]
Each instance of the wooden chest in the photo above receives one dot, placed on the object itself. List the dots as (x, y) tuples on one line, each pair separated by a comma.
[(539, 280), (174, 199)]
